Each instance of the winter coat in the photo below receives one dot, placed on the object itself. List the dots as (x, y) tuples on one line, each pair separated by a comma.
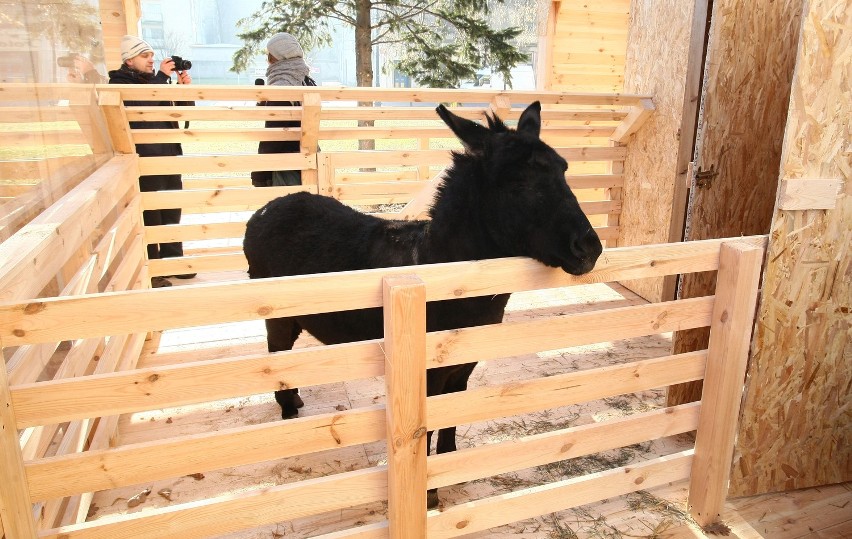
[(125, 75), (264, 177)]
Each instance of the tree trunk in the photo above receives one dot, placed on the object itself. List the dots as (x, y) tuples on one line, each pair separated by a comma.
[(364, 60)]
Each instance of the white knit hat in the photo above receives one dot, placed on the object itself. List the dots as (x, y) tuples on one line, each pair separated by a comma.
[(283, 46), (132, 46)]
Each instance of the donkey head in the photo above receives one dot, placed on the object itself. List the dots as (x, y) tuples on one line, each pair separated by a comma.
[(521, 197)]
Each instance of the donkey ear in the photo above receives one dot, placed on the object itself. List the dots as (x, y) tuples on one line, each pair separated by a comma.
[(530, 120), (472, 135)]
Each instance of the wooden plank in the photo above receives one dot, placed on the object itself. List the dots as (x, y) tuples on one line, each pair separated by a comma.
[(116, 313), (662, 34), (15, 509), (311, 109), (498, 510), (405, 383), (216, 516), (148, 136), (730, 336), (635, 119), (809, 194), (212, 199), (102, 468), (145, 389), (115, 116), (199, 92), (795, 427), (37, 252), (562, 390), (540, 449), (184, 164)]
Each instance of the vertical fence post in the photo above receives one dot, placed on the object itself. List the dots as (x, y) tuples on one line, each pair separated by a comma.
[(112, 108), (730, 336), (311, 110), (16, 511), (405, 378)]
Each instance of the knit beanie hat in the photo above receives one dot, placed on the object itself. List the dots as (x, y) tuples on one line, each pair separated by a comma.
[(283, 46), (132, 46)]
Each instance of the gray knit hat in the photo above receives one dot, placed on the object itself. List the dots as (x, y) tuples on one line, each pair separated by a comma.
[(283, 46), (132, 46)]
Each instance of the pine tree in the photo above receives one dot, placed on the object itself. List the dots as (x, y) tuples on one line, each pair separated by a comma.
[(443, 42)]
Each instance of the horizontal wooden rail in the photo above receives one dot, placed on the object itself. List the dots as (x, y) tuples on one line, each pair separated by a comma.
[(55, 319), (224, 163), (198, 92), (563, 389), (218, 515), (540, 449), (488, 513), (163, 387)]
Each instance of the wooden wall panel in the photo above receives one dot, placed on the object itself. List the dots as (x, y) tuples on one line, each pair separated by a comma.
[(749, 70), (657, 64), (795, 427), (586, 46), (118, 18)]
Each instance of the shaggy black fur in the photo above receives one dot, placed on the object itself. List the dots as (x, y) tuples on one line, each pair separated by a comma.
[(505, 195)]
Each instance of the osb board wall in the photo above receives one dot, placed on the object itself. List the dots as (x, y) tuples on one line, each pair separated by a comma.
[(749, 69), (588, 45), (118, 18), (657, 58), (795, 426)]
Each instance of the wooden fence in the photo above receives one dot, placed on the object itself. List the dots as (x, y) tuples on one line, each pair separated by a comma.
[(410, 143), (402, 356)]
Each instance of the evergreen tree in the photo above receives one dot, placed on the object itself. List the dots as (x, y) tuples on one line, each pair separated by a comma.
[(443, 42)]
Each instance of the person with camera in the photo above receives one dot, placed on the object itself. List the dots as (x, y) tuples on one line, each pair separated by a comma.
[(287, 67), (80, 69), (137, 67)]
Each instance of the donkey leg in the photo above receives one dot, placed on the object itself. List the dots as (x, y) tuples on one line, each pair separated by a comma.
[(281, 333)]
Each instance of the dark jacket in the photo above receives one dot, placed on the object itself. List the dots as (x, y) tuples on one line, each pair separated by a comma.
[(264, 177), (125, 75)]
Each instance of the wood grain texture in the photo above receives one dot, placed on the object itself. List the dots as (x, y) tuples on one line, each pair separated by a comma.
[(794, 430)]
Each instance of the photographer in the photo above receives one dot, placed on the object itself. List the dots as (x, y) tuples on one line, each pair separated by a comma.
[(80, 69), (137, 67)]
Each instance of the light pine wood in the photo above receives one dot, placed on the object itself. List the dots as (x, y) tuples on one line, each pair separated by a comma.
[(218, 515), (405, 383), (148, 136), (103, 468), (145, 389), (730, 335), (561, 390), (494, 459), (198, 92), (112, 108), (634, 120), (809, 194), (38, 251), (184, 164), (311, 109), (54, 319), (498, 510), (595, 181), (15, 509)]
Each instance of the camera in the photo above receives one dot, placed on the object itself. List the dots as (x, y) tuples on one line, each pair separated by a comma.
[(66, 61), (181, 64)]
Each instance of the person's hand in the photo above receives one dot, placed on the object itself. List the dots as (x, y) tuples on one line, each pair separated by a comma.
[(183, 77), (167, 66), (83, 65)]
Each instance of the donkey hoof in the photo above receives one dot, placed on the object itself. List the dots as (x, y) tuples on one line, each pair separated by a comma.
[(297, 400), (289, 415), (432, 500)]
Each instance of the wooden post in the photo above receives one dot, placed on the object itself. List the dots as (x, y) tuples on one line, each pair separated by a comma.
[(116, 119), (501, 105), (311, 109), (730, 336), (614, 194), (405, 377), (15, 507)]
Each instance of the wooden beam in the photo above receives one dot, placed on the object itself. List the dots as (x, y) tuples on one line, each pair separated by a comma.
[(809, 194), (730, 336), (405, 381), (115, 115), (634, 120)]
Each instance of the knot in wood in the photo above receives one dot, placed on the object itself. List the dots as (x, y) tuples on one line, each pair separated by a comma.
[(419, 432)]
